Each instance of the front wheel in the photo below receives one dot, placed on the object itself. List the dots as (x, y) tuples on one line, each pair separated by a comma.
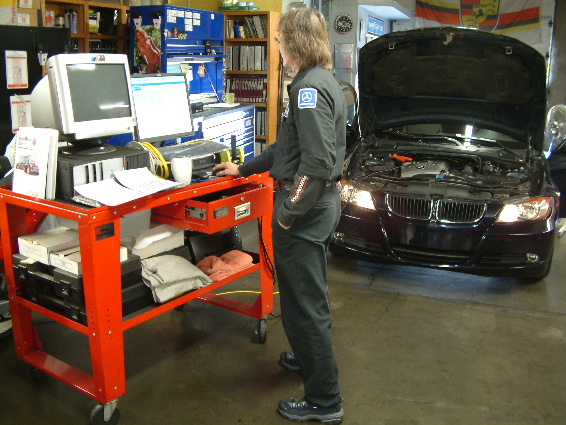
[(262, 330), (97, 416)]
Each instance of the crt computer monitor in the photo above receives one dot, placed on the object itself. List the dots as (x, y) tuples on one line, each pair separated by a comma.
[(163, 107), (87, 97)]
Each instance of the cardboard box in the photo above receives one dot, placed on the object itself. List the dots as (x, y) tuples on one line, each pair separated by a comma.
[(8, 15), (20, 12), (29, 4), (19, 16), (70, 259), (27, 17), (38, 246), (158, 239)]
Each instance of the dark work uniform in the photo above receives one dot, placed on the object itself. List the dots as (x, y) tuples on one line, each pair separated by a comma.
[(307, 160)]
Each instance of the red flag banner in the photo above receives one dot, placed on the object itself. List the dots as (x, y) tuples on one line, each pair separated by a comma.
[(517, 18)]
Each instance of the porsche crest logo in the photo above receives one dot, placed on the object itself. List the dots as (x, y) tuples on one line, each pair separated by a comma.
[(476, 14)]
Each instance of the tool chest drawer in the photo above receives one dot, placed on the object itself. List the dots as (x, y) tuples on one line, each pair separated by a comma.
[(219, 210)]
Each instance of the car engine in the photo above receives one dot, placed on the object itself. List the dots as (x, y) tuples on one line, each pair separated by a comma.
[(473, 174)]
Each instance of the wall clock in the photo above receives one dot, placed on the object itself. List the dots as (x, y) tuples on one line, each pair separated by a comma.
[(343, 23)]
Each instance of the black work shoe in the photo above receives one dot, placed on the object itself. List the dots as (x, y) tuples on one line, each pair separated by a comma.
[(289, 362), (300, 410)]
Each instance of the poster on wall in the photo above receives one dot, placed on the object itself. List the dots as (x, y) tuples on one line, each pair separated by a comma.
[(16, 69), (147, 53), (20, 111)]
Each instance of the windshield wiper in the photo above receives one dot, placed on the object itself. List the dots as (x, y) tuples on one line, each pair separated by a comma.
[(492, 142), (424, 137)]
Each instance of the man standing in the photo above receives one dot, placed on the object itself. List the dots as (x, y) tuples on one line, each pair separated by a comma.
[(307, 161)]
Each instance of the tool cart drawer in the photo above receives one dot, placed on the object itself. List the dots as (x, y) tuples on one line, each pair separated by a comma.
[(219, 210)]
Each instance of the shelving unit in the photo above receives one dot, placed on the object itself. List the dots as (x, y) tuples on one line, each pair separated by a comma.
[(112, 36), (255, 86)]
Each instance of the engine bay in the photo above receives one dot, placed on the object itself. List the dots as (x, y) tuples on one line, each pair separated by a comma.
[(472, 168), (474, 175)]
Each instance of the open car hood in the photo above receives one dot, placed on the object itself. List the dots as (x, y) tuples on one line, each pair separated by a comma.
[(453, 75)]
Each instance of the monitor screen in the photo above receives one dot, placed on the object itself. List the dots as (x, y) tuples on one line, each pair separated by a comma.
[(106, 95), (162, 106), (86, 97)]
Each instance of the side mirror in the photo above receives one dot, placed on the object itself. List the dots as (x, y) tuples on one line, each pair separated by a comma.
[(555, 131)]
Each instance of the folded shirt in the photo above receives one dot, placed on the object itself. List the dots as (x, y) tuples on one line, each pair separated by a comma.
[(169, 276), (218, 268)]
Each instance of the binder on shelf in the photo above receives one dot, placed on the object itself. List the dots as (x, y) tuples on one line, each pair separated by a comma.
[(250, 27), (259, 58), (259, 25), (251, 58), (244, 53)]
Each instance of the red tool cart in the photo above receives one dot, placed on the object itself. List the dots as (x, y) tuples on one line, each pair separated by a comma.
[(207, 207)]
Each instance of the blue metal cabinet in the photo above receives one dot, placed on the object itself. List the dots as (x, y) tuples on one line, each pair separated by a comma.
[(171, 39), (220, 124)]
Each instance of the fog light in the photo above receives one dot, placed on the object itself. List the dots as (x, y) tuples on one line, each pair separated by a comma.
[(532, 258), (339, 236)]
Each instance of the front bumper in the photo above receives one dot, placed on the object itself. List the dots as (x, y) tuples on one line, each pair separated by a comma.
[(485, 248)]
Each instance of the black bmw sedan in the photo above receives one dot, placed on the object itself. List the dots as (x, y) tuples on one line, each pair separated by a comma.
[(449, 168)]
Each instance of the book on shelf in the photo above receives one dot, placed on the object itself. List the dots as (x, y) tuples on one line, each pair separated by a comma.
[(259, 58), (228, 62), (250, 28), (35, 162), (246, 27), (238, 8), (246, 58), (244, 53), (251, 58), (260, 122), (247, 89), (259, 23)]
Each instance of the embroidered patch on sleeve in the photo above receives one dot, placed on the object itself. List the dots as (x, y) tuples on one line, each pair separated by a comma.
[(299, 188), (307, 98)]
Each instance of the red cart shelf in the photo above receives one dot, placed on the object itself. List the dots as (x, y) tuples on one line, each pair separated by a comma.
[(220, 204)]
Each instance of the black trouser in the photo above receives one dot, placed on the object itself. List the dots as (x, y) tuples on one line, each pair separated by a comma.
[(301, 267)]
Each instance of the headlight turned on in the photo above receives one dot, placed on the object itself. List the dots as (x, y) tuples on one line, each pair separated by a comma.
[(352, 195), (532, 210)]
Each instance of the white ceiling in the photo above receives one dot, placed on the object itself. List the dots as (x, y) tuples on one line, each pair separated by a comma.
[(393, 10)]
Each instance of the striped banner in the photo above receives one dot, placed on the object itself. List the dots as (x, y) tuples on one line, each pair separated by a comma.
[(516, 18)]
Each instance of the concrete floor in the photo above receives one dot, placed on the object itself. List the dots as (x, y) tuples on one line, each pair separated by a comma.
[(415, 347)]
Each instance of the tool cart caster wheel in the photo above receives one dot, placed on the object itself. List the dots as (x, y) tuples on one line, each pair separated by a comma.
[(34, 373), (262, 330), (97, 416)]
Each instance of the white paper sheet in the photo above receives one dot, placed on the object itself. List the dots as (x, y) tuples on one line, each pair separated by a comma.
[(131, 184), (108, 192), (142, 180)]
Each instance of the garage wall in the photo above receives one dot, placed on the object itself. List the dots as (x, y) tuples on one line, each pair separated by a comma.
[(557, 81)]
